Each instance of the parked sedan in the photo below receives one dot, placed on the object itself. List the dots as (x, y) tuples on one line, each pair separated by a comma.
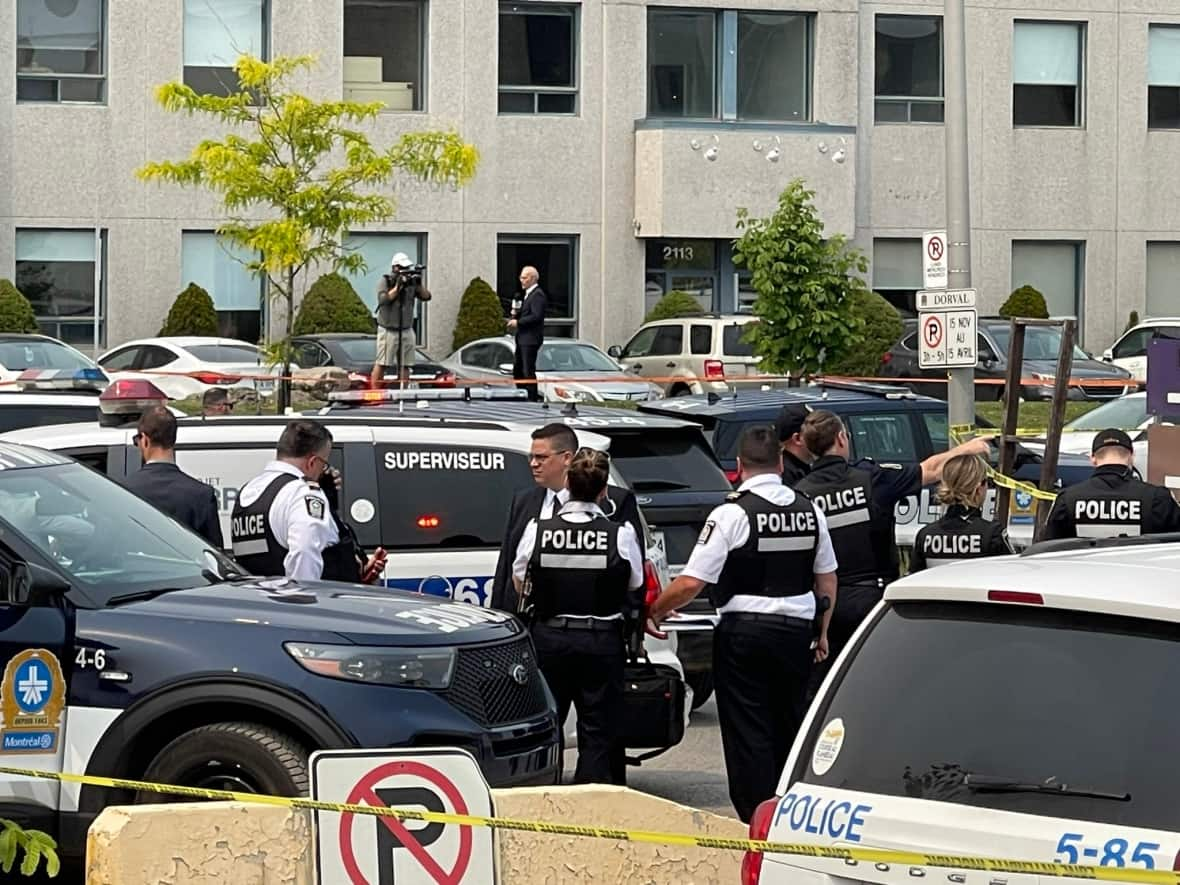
[(188, 366), (561, 366), (1042, 344), (355, 353)]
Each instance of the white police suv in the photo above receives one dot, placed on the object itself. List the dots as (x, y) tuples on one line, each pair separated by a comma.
[(1017, 707)]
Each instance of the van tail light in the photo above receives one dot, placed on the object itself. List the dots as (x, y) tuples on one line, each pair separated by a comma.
[(886, 358), (759, 829), (732, 475), (1015, 596), (714, 370)]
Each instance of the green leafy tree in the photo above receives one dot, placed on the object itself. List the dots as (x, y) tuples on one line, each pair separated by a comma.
[(480, 314), (332, 305), (881, 327), (674, 305), (16, 314), (192, 313), (1025, 302), (34, 844), (294, 174), (805, 284)]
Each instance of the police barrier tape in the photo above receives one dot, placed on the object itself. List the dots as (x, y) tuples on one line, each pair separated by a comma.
[(959, 434), (651, 837)]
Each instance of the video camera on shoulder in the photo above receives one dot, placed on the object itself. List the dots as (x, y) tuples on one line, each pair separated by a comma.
[(404, 275)]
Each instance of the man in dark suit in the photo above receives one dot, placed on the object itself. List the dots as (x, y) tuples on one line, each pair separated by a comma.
[(529, 327), (163, 485), (552, 449)]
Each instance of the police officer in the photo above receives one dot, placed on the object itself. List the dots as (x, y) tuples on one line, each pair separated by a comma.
[(1113, 501), (962, 533), (858, 501), (284, 521), (796, 457), (582, 577), (768, 552)]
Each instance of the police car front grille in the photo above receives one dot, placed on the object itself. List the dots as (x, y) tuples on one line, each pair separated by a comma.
[(484, 688), (1102, 391)]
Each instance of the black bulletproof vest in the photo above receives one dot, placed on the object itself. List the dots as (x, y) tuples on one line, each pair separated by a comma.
[(576, 568), (1110, 503), (778, 559), (254, 544), (862, 532), (961, 534)]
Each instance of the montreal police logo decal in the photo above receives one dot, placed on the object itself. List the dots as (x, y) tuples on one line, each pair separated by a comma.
[(32, 698)]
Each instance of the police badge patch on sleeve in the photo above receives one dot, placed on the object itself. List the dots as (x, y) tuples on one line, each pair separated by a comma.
[(707, 532), (315, 506)]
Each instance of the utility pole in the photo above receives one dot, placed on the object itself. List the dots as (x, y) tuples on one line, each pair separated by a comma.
[(961, 382)]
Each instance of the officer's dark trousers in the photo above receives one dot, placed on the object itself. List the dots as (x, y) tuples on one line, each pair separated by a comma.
[(585, 668), (853, 604), (760, 672)]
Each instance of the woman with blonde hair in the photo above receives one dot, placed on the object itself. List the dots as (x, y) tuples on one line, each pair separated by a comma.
[(962, 533)]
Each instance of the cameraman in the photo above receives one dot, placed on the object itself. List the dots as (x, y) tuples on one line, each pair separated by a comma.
[(397, 293)]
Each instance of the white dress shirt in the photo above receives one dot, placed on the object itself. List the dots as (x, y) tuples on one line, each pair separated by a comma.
[(552, 498), (292, 522), (728, 528)]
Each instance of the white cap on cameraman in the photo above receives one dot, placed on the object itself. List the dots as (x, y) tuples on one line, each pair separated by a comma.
[(401, 259)]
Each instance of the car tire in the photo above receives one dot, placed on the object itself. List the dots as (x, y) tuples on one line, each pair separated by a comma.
[(701, 684), (241, 756)]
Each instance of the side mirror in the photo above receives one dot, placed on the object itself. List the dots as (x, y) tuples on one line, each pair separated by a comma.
[(614, 351), (505, 368), (1108, 355), (32, 582)]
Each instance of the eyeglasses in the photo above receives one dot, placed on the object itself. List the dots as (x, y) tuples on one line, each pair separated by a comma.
[(541, 459)]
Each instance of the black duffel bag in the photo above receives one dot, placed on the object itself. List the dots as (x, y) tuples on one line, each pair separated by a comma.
[(653, 702)]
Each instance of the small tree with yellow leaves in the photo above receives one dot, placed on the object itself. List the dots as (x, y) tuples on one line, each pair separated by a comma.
[(294, 175)]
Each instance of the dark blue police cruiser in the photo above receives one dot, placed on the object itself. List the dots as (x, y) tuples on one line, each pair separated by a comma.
[(132, 649)]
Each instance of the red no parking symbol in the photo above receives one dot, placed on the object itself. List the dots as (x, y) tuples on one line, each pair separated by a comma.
[(935, 248), (932, 331)]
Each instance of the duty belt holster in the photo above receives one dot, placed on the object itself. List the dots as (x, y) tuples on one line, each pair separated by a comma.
[(822, 604)]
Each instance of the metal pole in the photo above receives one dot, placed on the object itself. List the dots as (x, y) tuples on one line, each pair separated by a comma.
[(961, 382)]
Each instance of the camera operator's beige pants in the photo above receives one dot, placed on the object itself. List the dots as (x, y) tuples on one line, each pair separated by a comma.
[(387, 347)]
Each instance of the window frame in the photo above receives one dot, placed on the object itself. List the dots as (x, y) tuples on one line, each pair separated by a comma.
[(263, 301), (422, 93), (908, 101), (902, 420), (524, 9), (1175, 88), (1079, 88), (553, 321), (98, 316), (264, 52), (357, 280), (104, 44), (897, 294), (1079, 252)]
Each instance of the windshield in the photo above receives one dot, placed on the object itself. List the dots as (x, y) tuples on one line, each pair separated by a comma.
[(1125, 413), (37, 354), (108, 540), (939, 689), (574, 358), (1040, 342), (225, 353), (654, 461)]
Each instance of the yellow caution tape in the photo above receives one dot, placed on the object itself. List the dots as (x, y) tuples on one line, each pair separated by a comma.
[(959, 431), (869, 855)]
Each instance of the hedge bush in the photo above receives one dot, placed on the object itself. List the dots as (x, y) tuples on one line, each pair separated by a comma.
[(16, 314), (674, 305), (880, 327), (332, 305), (480, 314), (192, 313), (1025, 302)]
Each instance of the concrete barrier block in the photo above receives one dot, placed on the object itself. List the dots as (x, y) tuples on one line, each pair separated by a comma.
[(200, 844)]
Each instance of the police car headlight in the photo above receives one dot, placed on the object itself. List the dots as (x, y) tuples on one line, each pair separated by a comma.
[(379, 664)]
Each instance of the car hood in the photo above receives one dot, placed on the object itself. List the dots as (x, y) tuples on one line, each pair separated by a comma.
[(1080, 369), (358, 614), (604, 384)]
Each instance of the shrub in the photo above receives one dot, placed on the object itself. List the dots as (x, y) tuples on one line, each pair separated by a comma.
[(1025, 302), (880, 328), (16, 314), (480, 314), (332, 305), (1132, 320), (192, 313), (674, 305)]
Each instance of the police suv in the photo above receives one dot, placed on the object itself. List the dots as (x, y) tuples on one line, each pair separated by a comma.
[(1015, 707)]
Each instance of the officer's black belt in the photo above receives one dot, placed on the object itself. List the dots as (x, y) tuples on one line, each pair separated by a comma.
[(878, 583), (583, 623), (764, 618)]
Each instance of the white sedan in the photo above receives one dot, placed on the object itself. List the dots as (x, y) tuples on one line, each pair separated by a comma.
[(1127, 413), (184, 367)]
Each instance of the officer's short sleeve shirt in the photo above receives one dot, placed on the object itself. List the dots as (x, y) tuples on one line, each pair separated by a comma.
[(299, 518)]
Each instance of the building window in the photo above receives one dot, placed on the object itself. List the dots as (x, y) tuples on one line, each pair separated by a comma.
[(1163, 77), (1163, 279), (1054, 269), (909, 69), (538, 58), (1047, 73), (730, 65), (556, 260), (385, 52), (378, 250), (897, 272), (218, 267), (62, 273), (216, 32), (689, 266), (60, 50)]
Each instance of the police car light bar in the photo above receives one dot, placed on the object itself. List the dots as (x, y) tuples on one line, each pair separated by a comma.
[(128, 398), (374, 397), (62, 379)]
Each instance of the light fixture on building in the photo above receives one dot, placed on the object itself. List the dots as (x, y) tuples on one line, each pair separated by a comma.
[(757, 145), (772, 156), (841, 153), (695, 144), (822, 147), (712, 151)]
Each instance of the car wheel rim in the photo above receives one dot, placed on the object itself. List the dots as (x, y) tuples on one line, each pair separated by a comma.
[(221, 776)]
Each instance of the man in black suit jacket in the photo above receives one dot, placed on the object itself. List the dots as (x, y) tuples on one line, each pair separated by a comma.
[(552, 449), (163, 485), (529, 327)]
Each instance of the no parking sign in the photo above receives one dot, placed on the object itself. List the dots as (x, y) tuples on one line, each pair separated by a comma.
[(367, 850)]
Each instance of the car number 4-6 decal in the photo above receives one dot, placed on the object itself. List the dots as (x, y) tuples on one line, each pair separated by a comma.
[(92, 658)]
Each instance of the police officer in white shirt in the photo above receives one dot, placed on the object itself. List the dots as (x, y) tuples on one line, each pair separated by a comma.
[(580, 580), (769, 554)]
